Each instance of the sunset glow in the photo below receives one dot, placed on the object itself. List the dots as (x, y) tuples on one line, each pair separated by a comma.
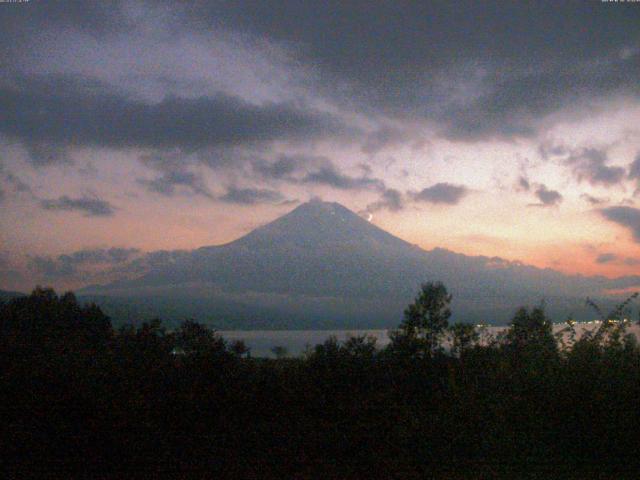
[(153, 126)]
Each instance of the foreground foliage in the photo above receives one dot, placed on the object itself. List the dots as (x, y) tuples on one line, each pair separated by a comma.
[(79, 396)]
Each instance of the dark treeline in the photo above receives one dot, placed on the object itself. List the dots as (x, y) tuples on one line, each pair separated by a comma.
[(78, 396)]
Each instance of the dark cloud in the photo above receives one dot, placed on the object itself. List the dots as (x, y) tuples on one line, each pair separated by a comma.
[(366, 169), (54, 113), (590, 164), (217, 157), (477, 70), (15, 185), (442, 193), (593, 200), (52, 268), (283, 167), (296, 167), (391, 199), (252, 196), (45, 155), (100, 255), (548, 197), (628, 217), (523, 184), (151, 260), (634, 169), (386, 136), (460, 64), (97, 18), (91, 206), (606, 258), (377, 41), (18, 185), (166, 184), (392, 36), (174, 174), (163, 257), (331, 176), (93, 265), (549, 149), (514, 99), (83, 263)]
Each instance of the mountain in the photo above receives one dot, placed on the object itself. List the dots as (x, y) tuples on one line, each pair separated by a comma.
[(323, 266), (319, 249)]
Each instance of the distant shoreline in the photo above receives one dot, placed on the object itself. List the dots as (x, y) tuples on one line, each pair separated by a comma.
[(295, 341)]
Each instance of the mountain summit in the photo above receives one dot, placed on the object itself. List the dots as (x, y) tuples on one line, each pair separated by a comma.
[(323, 266), (320, 224)]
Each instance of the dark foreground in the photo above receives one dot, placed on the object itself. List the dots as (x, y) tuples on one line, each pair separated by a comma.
[(79, 397)]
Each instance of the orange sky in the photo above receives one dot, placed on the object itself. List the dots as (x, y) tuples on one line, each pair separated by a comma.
[(155, 133)]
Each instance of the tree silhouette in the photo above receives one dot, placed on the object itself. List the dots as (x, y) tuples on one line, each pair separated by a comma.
[(279, 351), (44, 320), (463, 336), (195, 338), (531, 331), (361, 346), (425, 320), (128, 399), (239, 348)]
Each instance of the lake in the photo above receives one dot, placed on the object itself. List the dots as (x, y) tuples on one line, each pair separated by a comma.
[(296, 341)]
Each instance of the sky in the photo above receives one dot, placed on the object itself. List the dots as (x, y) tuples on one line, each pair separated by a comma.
[(132, 130)]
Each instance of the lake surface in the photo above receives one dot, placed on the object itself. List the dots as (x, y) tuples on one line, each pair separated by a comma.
[(296, 341)]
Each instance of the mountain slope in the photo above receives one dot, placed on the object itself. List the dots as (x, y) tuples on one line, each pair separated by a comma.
[(322, 265)]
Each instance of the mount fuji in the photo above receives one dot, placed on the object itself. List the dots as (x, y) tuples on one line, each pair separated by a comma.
[(323, 266)]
